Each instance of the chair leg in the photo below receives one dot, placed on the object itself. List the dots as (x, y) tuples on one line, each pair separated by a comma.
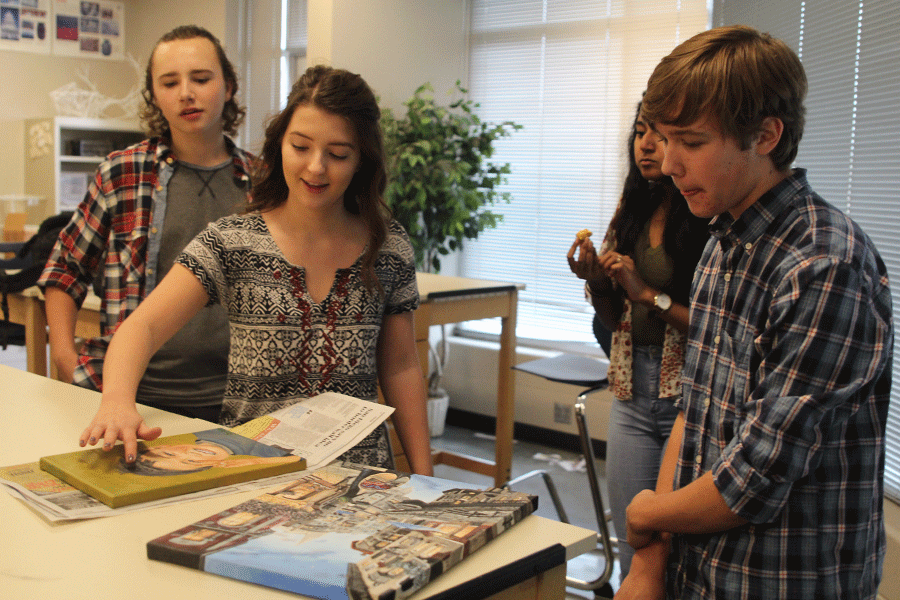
[(551, 487), (604, 539)]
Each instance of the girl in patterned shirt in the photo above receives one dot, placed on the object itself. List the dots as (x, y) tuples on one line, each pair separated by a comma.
[(318, 282)]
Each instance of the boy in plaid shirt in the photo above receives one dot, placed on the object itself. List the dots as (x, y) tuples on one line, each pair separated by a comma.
[(771, 486)]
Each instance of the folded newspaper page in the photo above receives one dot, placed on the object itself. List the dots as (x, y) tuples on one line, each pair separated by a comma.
[(319, 429)]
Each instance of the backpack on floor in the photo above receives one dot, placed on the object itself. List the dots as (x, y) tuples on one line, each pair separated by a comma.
[(22, 272)]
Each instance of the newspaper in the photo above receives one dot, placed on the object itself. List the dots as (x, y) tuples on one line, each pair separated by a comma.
[(319, 429)]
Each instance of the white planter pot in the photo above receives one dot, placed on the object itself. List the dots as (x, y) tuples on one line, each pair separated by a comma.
[(437, 412)]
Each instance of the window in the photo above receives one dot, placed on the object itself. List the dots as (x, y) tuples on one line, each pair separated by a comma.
[(849, 52), (571, 72), (268, 49), (293, 45)]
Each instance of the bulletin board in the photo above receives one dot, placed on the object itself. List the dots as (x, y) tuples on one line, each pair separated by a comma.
[(79, 28)]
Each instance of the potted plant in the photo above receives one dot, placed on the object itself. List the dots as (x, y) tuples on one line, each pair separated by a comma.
[(441, 184), (441, 178)]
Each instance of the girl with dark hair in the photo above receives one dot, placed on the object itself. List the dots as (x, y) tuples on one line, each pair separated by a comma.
[(639, 285), (344, 94), (318, 281), (142, 207)]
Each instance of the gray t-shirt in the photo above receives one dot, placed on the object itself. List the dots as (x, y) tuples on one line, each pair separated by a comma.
[(197, 356)]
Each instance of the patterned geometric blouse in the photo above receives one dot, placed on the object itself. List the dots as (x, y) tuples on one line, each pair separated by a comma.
[(284, 346), (620, 359)]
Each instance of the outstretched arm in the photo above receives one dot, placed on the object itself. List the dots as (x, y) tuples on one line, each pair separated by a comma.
[(177, 298), (403, 385)]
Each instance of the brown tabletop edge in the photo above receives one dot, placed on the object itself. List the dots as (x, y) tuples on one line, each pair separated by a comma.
[(496, 289)]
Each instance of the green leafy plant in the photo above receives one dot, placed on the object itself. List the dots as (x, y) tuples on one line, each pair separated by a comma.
[(441, 178)]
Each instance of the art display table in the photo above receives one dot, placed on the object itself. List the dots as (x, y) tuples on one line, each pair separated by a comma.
[(91, 558)]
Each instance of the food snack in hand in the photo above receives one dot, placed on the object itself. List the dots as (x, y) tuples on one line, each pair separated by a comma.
[(583, 234)]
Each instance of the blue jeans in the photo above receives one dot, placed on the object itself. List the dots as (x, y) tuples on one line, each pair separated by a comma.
[(638, 431)]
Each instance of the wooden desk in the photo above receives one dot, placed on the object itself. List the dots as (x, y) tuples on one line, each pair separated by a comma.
[(443, 300), (453, 300), (91, 558), (27, 308)]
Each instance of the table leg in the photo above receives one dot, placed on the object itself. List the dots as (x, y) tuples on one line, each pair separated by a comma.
[(36, 336), (506, 394), (463, 309), (549, 585)]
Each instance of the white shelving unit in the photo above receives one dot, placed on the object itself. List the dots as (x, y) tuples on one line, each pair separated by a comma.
[(62, 153)]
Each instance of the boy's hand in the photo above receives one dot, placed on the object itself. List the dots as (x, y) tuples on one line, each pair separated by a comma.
[(637, 536), (647, 578)]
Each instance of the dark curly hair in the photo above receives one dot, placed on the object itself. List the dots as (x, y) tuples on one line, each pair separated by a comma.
[(684, 235), (232, 114)]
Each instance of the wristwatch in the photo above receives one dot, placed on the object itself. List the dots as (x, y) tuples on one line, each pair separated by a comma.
[(662, 301)]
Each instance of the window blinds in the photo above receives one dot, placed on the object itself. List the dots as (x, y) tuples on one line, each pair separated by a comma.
[(571, 72)]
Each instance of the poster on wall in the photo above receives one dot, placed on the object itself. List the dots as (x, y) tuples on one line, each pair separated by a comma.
[(89, 29), (25, 25)]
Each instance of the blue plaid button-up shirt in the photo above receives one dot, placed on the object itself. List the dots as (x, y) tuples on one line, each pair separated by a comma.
[(787, 380)]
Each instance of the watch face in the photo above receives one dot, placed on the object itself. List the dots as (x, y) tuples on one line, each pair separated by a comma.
[(663, 302)]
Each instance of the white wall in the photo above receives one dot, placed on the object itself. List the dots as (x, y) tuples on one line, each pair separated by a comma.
[(29, 78), (396, 45), (150, 19), (890, 583), (470, 379)]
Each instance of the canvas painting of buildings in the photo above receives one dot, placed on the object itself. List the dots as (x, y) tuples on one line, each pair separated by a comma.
[(347, 532)]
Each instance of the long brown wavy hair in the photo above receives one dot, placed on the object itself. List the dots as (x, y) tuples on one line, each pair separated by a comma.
[(347, 95)]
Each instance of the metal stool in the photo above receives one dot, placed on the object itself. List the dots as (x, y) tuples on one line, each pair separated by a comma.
[(590, 374)]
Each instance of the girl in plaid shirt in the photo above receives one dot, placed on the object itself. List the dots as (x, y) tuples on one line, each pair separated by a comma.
[(142, 207)]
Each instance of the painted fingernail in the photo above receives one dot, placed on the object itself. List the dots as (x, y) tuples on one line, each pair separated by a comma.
[(107, 446), (93, 440), (130, 458)]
